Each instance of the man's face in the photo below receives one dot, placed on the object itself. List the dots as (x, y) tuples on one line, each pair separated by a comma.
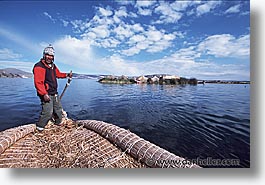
[(49, 59)]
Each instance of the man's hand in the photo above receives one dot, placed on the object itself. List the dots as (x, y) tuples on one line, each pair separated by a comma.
[(70, 75), (46, 98)]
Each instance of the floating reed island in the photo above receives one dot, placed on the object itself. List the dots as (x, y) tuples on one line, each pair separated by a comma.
[(82, 144), (149, 79)]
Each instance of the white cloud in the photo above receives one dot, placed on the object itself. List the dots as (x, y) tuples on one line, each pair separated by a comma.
[(138, 43), (189, 53), (72, 51), (119, 66), (226, 45), (123, 31), (100, 21), (182, 5), (122, 12), (78, 53), (170, 65), (90, 36), (107, 32), (65, 23), (219, 46), (142, 45), (136, 38), (131, 51), (153, 34), (158, 40), (109, 29), (101, 31), (105, 12), (144, 3), (207, 7), (110, 43), (145, 12), (233, 9), (22, 65), (7, 54), (185, 61), (158, 46), (151, 40), (144, 7), (77, 25), (49, 16), (172, 36), (125, 2), (167, 14), (137, 28), (190, 68)]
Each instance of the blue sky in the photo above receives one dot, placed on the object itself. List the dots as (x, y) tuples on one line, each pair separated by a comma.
[(201, 39)]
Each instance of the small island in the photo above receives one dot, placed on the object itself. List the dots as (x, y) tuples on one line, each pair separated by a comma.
[(161, 79), (149, 79)]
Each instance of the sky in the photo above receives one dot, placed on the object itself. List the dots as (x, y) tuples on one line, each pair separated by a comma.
[(193, 39)]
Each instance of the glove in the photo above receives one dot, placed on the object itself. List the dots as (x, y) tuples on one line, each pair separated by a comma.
[(46, 98), (70, 75)]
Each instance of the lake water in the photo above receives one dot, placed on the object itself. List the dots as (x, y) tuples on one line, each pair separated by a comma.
[(211, 120)]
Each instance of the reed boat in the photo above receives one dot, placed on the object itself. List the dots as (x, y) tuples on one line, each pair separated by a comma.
[(82, 144)]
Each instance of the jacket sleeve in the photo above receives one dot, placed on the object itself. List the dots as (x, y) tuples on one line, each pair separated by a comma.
[(59, 74), (39, 77)]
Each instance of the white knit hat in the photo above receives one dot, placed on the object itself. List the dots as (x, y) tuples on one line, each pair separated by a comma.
[(48, 50)]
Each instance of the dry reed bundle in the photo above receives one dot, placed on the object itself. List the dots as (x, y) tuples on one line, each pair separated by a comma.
[(140, 149), (10, 136), (89, 145), (65, 147), (80, 148)]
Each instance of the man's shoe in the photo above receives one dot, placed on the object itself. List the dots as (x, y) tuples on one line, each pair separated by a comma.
[(40, 129), (60, 124)]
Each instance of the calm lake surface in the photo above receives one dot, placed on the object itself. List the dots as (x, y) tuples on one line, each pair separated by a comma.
[(211, 120)]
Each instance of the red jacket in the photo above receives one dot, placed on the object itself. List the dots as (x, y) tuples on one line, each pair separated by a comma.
[(45, 78)]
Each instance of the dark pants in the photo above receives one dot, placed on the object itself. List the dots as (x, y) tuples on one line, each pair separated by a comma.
[(53, 107)]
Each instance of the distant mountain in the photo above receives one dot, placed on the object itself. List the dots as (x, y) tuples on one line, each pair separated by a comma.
[(17, 73), (14, 73)]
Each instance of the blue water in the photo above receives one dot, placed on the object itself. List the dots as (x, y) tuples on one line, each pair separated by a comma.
[(211, 120)]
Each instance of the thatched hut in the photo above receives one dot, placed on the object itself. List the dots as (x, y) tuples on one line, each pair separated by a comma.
[(141, 79), (155, 79)]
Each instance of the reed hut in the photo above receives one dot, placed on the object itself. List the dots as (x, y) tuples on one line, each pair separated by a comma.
[(141, 79)]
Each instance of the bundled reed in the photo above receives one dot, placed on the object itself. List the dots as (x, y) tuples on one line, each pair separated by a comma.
[(140, 149), (10, 136), (70, 146), (82, 144)]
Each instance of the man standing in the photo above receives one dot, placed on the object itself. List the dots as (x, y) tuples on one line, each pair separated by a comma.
[(45, 74)]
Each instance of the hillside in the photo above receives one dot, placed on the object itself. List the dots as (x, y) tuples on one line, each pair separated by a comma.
[(14, 73), (17, 73)]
